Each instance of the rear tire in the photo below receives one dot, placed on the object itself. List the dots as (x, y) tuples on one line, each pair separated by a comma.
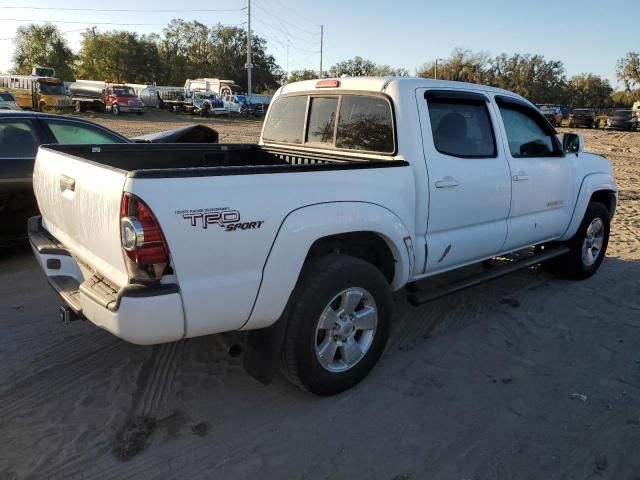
[(587, 247), (338, 324)]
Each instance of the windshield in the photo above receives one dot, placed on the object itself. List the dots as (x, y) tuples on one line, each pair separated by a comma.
[(52, 88), (124, 92)]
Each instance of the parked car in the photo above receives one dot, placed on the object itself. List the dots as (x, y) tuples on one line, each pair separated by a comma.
[(302, 238), (552, 114), (7, 101), (241, 105), (622, 119), (581, 117), (21, 133)]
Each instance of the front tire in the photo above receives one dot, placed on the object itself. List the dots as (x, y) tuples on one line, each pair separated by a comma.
[(338, 324), (115, 109), (587, 247)]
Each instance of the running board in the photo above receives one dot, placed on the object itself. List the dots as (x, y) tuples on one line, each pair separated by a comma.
[(419, 298)]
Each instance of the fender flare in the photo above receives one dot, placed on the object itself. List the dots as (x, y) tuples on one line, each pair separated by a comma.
[(297, 233), (591, 184)]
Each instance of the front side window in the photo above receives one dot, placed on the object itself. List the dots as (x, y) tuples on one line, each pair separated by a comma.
[(527, 135), (69, 133), (18, 139), (462, 128), (322, 120)]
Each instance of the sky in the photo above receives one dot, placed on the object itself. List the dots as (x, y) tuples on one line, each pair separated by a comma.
[(586, 35)]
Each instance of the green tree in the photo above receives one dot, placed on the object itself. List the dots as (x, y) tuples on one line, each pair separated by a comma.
[(298, 75), (360, 67), (628, 70), (588, 90), (354, 67), (119, 56), (531, 76), (42, 45), (463, 65), (625, 98)]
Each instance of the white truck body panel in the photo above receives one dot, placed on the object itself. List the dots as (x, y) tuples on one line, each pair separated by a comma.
[(435, 213), (86, 219)]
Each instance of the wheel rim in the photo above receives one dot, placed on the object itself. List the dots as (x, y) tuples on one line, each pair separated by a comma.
[(593, 241), (346, 329)]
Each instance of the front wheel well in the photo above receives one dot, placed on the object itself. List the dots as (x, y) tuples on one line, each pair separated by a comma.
[(607, 198), (367, 246)]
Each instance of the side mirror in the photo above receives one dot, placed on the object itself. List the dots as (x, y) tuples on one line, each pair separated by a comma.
[(572, 143)]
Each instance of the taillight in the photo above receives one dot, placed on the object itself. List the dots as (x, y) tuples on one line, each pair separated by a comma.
[(142, 240)]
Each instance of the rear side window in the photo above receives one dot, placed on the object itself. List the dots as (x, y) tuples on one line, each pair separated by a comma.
[(76, 133), (18, 140), (285, 122), (462, 128), (322, 119), (526, 134)]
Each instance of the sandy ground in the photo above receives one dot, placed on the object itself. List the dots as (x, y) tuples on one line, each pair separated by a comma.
[(477, 385)]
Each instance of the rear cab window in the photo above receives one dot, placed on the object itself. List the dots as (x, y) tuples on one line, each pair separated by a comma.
[(360, 122)]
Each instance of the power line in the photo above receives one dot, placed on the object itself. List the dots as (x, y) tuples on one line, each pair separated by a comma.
[(290, 24), (69, 9), (110, 23)]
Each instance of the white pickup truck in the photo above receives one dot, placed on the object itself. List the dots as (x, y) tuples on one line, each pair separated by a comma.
[(357, 188)]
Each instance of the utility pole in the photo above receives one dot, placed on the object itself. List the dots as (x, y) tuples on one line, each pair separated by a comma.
[(435, 75), (249, 66), (321, 45)]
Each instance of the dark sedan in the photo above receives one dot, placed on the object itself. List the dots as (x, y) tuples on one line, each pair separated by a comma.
[(624, 119), (581, 117), (21, 133)]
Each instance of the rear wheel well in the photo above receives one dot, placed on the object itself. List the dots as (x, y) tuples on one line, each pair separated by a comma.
[(367, 246), (607, 198)]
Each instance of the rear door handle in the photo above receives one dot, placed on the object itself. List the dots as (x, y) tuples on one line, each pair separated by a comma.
[(67, 183), (521, 177), (447, 182)]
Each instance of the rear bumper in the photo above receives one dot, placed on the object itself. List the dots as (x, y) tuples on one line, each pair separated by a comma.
[(141, 314)]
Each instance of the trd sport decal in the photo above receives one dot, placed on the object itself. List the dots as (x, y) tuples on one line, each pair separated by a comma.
[(225, 218)]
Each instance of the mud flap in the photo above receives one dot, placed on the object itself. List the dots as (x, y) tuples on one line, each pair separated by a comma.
[(262, 351)]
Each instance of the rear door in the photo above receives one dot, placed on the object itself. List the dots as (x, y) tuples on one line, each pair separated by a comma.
[(468, 178), (541, 176)]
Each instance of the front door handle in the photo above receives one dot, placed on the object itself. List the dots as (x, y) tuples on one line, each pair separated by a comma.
[(447, 182), (521, 177)]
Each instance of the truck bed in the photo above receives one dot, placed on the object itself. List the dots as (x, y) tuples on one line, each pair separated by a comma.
[(196, 160)]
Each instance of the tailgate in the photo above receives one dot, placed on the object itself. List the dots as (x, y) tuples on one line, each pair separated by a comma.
[(80, 206)]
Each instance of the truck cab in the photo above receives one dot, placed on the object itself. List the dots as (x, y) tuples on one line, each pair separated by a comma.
[(121, 99)]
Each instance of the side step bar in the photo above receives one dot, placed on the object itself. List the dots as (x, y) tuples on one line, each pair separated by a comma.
[(419, 298)]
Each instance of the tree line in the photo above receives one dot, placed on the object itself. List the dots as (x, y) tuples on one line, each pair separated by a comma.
[(191, 50)]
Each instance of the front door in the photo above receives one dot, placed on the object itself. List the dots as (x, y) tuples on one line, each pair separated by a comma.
[(541, 176), (468, 175)]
